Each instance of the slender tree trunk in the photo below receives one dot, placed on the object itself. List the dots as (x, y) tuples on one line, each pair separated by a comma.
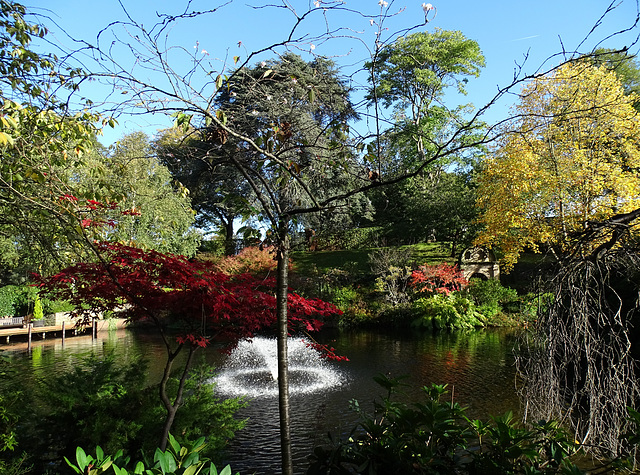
[(170, 407), (229, 244), (283, 363)]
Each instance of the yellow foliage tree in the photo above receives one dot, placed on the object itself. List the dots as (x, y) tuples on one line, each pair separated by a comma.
[(572, 157)]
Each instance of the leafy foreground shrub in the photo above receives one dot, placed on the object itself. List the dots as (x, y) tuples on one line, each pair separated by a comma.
[(436, 437), (104, 401), (176, 460)]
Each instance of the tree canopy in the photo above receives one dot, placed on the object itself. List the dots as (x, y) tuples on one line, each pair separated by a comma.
[(158, 210), (40, 141), (573, 157), (412, 74), (297, 111)]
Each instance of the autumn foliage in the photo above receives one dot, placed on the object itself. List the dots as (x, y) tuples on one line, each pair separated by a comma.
[(438, 279), (194, 297), (250, 260), (571, 158)]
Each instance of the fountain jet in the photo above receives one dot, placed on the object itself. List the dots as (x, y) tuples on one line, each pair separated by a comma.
[(252, 369)]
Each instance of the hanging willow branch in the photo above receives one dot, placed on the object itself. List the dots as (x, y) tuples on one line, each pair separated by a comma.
[(580, 364)]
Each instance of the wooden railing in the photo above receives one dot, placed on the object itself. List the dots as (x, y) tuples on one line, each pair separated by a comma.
[(11, 322)]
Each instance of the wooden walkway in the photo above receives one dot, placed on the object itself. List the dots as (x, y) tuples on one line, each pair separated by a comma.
[(62, 331)]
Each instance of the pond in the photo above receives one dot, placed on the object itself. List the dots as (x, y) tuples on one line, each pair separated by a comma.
[(478, 368)]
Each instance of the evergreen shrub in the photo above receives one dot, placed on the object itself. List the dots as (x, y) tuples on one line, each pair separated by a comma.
[(492, 298), (450, 311)]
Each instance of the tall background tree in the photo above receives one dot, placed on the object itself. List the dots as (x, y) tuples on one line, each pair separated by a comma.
[(295, 109), (573, 158), (219, 194), (158, 209), (410, 78)]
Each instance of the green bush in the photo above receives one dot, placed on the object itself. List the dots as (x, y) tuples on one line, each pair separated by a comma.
[(7, 299), (451, 311), (178, 459), (54, 306), (492, 297), (20, 300), (434, 436), (105, 401), (38, 312), (16, 300), (353, 302), (343, 297), (402, 315)]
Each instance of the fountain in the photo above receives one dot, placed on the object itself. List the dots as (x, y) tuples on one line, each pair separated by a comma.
[(252, 369)]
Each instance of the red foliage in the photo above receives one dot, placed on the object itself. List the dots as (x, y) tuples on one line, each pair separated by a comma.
[(145, 284), (252, 259), (326, 351), (442, 278)]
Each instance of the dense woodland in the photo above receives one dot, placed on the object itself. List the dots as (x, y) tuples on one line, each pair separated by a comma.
[(266, 206)]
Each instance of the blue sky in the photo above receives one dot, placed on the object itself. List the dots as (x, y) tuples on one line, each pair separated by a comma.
[(506, 31)]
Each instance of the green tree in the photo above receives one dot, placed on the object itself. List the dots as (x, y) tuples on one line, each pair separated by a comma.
[(293, 108), (411, 76), (40, 140), (441, 206), (218, 192), (154, 213)]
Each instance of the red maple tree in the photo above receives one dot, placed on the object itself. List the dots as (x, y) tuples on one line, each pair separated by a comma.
[(193, 299), (441, 278)]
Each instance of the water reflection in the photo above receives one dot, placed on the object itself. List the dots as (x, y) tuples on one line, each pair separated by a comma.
[(477, 366)]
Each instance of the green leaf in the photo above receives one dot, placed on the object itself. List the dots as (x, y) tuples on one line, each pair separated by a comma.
[(222, 117), (174, 444), (219, 81), (6, 139), (81, 458), (199, 444), (191, 470), (166, 461), (192, 459), (76, 469), (121, 471)]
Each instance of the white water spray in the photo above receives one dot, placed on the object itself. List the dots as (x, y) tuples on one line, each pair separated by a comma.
[(252, 369)]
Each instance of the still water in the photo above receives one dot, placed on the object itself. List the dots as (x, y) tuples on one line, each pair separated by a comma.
[(477, 367)]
